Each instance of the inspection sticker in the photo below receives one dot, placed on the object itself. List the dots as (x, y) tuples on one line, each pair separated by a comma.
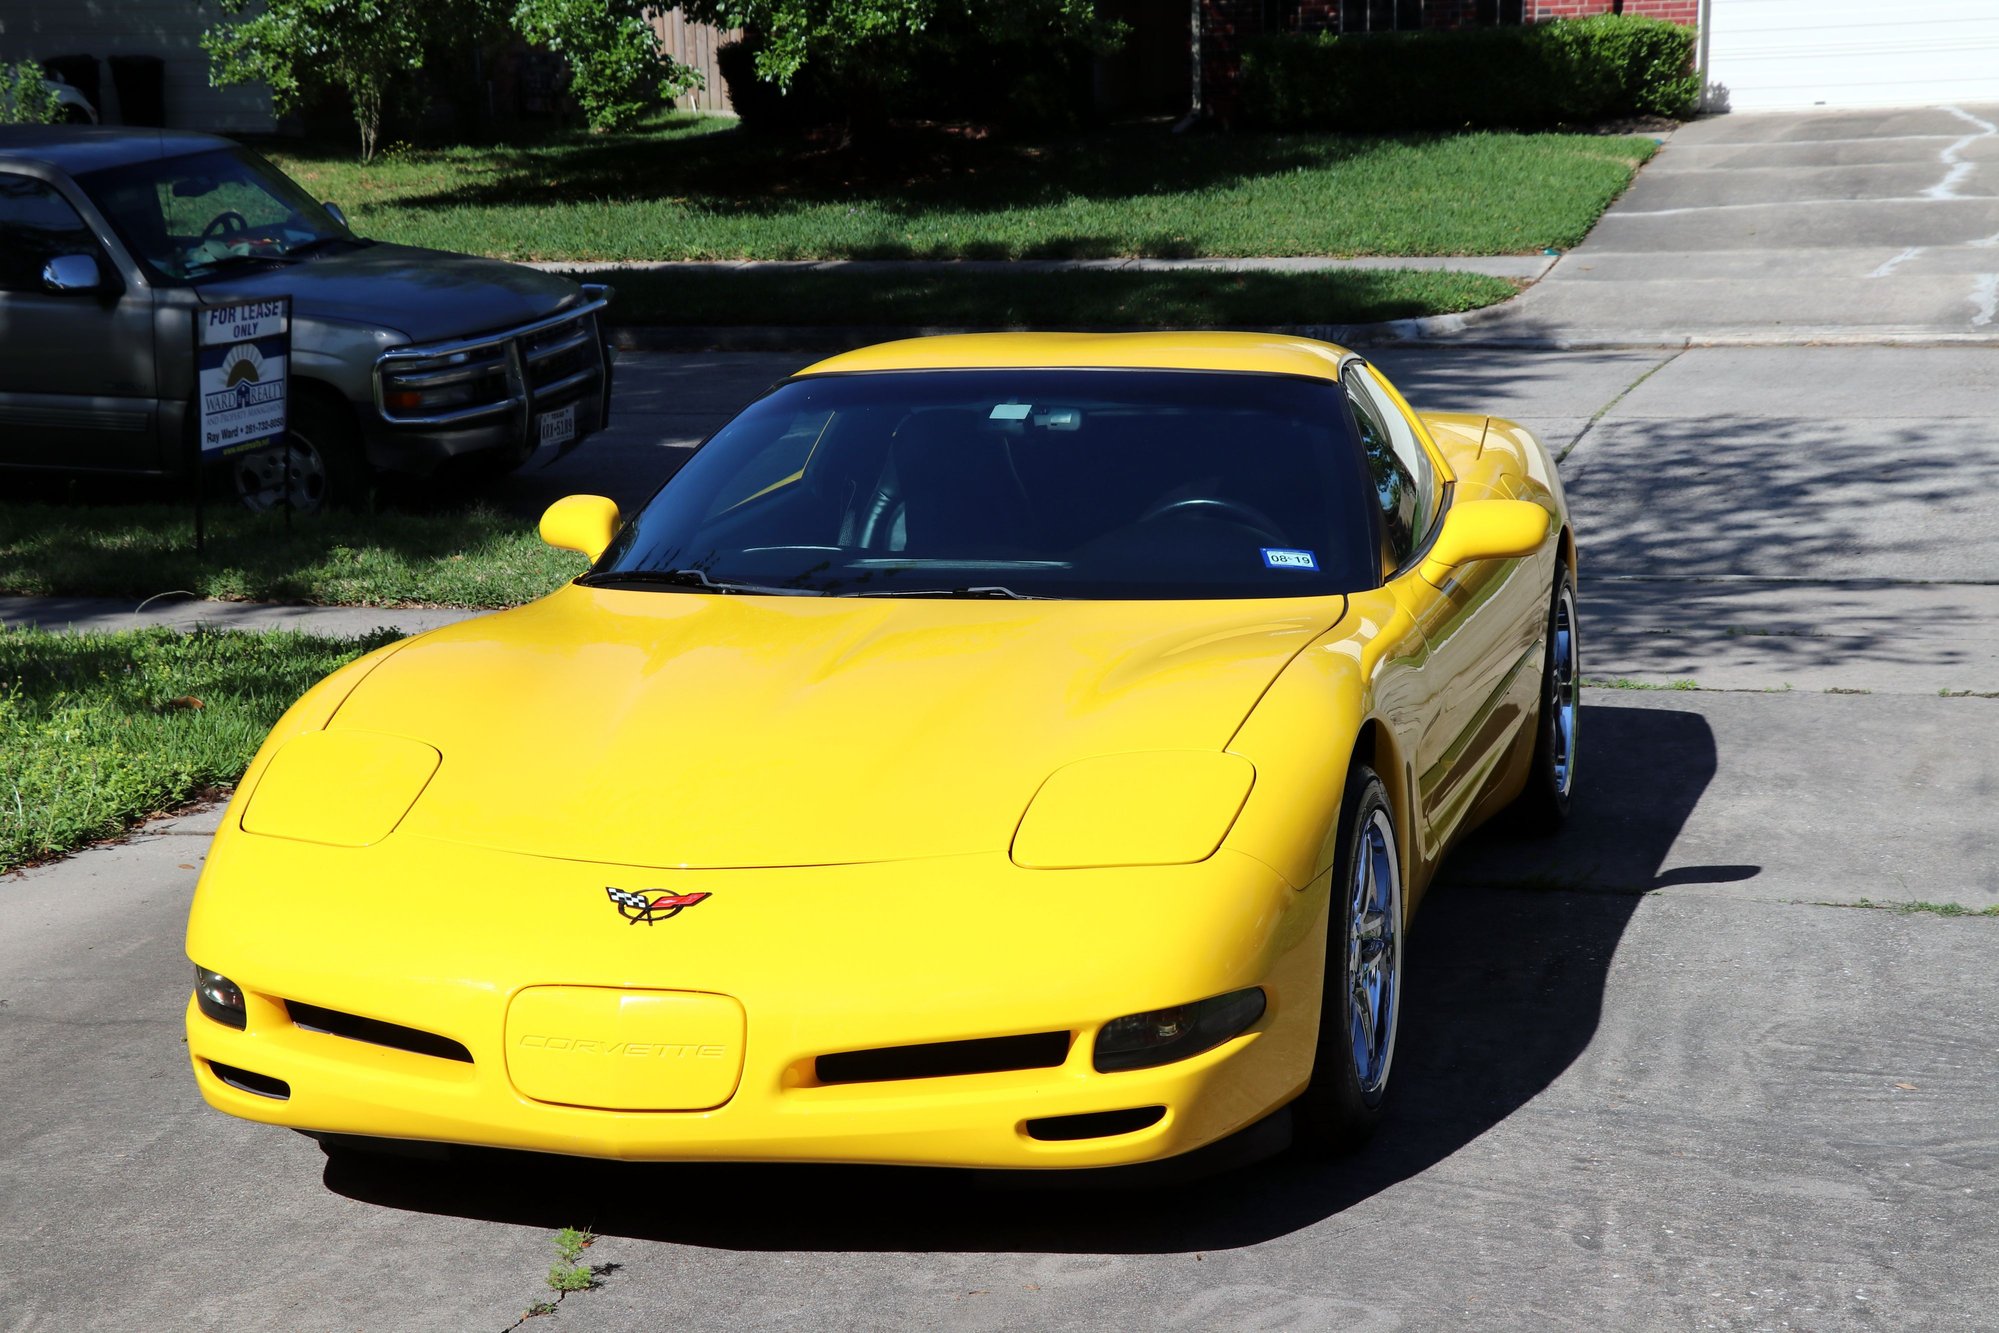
[(1011, 412), (1276, 557)]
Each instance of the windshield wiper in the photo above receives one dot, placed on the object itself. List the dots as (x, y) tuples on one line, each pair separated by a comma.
[(320, 243), (989, 590), (686, 578), (231, 261)]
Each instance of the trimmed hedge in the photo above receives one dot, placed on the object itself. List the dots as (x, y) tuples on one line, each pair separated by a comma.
[(1566, 72)]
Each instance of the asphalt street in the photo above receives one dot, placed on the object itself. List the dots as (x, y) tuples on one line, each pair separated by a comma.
[(1663, 1072)]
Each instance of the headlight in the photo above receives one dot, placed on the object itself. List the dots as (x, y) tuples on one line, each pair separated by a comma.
[(218, 997), (1148, 808), (1140, 1041)]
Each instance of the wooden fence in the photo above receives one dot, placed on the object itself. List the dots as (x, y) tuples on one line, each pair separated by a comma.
[(695, 44)]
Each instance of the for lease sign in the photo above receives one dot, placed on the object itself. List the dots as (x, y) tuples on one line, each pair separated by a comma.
[(242, 359)]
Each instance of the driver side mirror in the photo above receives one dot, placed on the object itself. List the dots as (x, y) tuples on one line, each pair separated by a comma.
[(1485, 530), (583, 523), (72, 275), (338, 216)]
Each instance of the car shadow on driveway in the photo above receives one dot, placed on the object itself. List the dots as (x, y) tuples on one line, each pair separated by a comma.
[(1505, 985)]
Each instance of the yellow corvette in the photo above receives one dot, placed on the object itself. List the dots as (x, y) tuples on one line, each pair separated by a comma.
[(1016, 751)]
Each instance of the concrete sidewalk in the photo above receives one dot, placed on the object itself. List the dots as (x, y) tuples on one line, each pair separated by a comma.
[(118, 613), (1525, 268)]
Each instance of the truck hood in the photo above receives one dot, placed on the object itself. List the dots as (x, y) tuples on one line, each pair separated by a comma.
[(692, 730), (427, 294)]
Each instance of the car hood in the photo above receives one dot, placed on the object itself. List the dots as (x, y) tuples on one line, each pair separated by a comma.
[(427, 294), (694, 730)]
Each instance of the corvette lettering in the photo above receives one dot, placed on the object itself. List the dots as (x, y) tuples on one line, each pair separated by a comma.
[(664, 1050), (637, 907)]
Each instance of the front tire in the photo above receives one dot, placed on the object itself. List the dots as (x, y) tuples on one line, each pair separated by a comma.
[(1362, 1002), (327, 467), (1544, 806)]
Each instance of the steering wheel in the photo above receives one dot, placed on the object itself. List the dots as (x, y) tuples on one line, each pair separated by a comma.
[(1235, 509), (222, 225)]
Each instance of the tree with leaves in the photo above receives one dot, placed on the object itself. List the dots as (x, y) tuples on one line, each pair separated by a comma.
[(842, 33), (371, 49), (869, 55)]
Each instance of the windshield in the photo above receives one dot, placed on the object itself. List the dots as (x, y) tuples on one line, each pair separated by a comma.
[(1097, 484), (194, 216)]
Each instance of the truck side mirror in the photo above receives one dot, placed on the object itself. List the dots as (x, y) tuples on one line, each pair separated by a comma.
[(72, 274)]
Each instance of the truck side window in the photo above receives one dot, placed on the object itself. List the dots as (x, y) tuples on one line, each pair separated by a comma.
[(36, 225)]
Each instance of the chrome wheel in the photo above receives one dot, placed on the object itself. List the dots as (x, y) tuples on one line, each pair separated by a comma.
[(1564, 693), (1374, 952), (260, 477)]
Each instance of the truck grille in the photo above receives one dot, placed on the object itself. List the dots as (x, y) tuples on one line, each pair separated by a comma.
[(515, 372)]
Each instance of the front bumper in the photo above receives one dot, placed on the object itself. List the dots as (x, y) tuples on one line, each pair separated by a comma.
[(505, 382), (444, 939)]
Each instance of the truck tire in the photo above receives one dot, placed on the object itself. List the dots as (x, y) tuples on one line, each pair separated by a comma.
[(328, 470)]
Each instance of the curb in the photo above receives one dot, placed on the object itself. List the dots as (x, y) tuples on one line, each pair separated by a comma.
[(846, 337), (1432, 331)]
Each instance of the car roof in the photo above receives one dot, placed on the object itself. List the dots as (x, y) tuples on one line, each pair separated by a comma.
[(1259, 352), (80, 148)]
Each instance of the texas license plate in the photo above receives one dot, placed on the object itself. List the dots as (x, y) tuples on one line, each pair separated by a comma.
[(557, 427)]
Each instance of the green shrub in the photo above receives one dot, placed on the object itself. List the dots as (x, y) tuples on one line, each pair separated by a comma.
[(24, 98), (1568, 72)]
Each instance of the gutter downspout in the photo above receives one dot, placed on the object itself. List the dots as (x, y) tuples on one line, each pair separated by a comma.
[(1702, 20)]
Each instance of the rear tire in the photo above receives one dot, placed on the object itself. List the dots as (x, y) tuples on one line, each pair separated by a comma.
[(1362, 1002), (1544, 806)]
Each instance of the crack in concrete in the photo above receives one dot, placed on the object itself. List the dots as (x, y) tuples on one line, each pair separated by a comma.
[(1952, 157), (1608, 407)]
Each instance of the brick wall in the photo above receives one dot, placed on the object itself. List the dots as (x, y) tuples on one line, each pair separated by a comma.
[(1674, 11)]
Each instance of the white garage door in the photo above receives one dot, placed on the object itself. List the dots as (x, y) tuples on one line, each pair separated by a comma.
[(1770, 54)]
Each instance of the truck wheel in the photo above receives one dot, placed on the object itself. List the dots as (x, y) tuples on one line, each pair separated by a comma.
[(327, 469)]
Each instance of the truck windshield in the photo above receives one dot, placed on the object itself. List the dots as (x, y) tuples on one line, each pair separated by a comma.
[(193, 216), (1090, 484)]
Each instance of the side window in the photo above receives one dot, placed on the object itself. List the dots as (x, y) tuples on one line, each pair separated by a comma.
[(36, 225), (1411, 462), (1395, 489)]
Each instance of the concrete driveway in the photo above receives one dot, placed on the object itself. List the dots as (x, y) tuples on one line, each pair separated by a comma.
[(1860, 226), (1656, 1074)]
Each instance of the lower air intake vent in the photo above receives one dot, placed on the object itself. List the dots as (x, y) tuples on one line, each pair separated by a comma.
[(375, 1032), (1095, 1125), (262, 1084), (943, 1059)]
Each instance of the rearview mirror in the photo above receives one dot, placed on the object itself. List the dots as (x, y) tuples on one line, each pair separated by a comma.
[(1485, 530), (193, 187), (583, 523), (71, 274)]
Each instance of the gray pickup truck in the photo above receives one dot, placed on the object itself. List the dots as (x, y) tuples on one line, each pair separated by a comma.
[(403, 360)]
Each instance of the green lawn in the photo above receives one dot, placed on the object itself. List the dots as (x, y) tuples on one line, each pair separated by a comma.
[(695, 188), (472, 557), (100, 730), (1078, 299)]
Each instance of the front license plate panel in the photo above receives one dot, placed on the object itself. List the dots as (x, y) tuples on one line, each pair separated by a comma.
[(557, 427), (625, 1050)]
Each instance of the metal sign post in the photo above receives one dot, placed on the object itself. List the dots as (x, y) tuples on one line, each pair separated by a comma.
[(242, 360)]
